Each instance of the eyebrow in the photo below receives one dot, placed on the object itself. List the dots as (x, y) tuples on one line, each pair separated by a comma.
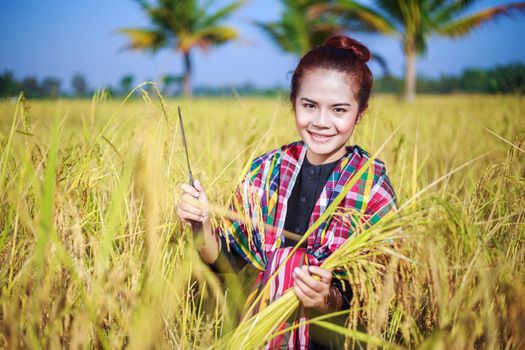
[(334, 105)]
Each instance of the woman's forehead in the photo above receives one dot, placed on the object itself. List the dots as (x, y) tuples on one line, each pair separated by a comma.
[(326, 86)]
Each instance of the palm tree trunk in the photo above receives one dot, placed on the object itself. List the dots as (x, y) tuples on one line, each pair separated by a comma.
[(186, 78), (410, 75)]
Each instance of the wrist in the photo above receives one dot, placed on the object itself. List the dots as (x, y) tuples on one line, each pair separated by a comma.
[(210, 245), (333, 301)]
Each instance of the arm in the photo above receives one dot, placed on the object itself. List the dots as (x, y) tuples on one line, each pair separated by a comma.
[(227, 261)]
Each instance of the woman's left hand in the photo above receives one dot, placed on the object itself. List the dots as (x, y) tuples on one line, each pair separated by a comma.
[(312, 292)]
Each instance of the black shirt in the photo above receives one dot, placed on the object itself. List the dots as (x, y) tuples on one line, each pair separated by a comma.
[(305, 193), (307, 189)]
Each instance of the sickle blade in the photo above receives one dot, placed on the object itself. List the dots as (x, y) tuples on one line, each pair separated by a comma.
[(190, 175)]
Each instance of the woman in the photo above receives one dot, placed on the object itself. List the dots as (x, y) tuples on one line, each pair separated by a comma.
[(287, 189)]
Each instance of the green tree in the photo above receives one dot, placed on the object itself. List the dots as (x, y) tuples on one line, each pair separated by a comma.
[(50, 87), (30, 87), (297, 33), (126, 84), (474, 80), (9, 86), (182, 25), (80, 85), (414, 21), (509, 78), (299, 29), (170, 83)]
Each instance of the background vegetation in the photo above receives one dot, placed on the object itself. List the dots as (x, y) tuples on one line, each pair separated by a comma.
[(504, 79), (93, 255)]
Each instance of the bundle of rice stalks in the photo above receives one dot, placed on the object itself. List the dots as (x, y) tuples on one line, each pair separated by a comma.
[(357, 251)]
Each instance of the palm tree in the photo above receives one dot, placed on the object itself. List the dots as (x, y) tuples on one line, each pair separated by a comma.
[(182, 25), (414, 21), (296, 33)]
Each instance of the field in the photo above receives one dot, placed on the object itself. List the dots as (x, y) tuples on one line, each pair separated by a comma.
[(92, 254)]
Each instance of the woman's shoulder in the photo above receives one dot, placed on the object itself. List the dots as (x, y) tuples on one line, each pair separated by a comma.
[(360, 157), (381, 193), (269, 163), (275, 155)]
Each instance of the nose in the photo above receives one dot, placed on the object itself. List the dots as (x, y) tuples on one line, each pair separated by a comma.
[(322, 119)]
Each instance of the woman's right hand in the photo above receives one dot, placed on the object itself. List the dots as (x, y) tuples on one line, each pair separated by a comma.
[(187, 208)]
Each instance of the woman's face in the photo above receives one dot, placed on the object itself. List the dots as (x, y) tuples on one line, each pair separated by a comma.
[(326, 112)]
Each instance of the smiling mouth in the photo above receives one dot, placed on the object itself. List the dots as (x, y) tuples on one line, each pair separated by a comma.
[(320, 137)]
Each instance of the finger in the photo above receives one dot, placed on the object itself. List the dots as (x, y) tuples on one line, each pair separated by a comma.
[(190, 209), (310, 292), (305, 299), (202, 195), (301, 272), (326, 275), (190, 190), (310, 280), (189, 199), (198, 186), (190, 216)]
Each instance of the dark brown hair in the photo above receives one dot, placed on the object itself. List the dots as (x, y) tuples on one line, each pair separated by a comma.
[(342, 54)]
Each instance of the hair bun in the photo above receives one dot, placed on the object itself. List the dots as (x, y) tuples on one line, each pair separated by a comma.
[(349, 44)]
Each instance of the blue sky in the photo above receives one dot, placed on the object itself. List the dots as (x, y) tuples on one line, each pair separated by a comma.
[(59, 38)]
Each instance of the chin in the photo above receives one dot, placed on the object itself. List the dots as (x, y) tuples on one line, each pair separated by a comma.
[(323, 150)]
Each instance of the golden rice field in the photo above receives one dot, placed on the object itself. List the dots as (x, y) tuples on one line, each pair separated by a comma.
[(92, 254)]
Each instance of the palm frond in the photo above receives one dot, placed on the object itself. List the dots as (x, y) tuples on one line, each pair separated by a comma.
[(444, 11), (144, 4), (221, 14), (355, 14), (381, 61), (392, 9), (214, 36), (465, 25), (276, 33), (298, 33), (144, 39)]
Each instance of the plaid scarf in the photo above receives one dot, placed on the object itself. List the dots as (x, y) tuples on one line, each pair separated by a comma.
[(263, 195)]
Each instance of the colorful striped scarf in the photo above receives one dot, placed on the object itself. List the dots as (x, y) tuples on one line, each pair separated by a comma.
[(263, 195)]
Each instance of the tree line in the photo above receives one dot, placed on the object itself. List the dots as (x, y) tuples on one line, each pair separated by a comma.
[(184, 25), (501, 79), (51, 87)]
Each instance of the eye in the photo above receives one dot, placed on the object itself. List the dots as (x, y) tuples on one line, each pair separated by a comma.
[(308, 105), (339, 110)]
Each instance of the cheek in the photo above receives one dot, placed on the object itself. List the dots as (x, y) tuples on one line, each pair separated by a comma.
[(301, 120), (345, 126)]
